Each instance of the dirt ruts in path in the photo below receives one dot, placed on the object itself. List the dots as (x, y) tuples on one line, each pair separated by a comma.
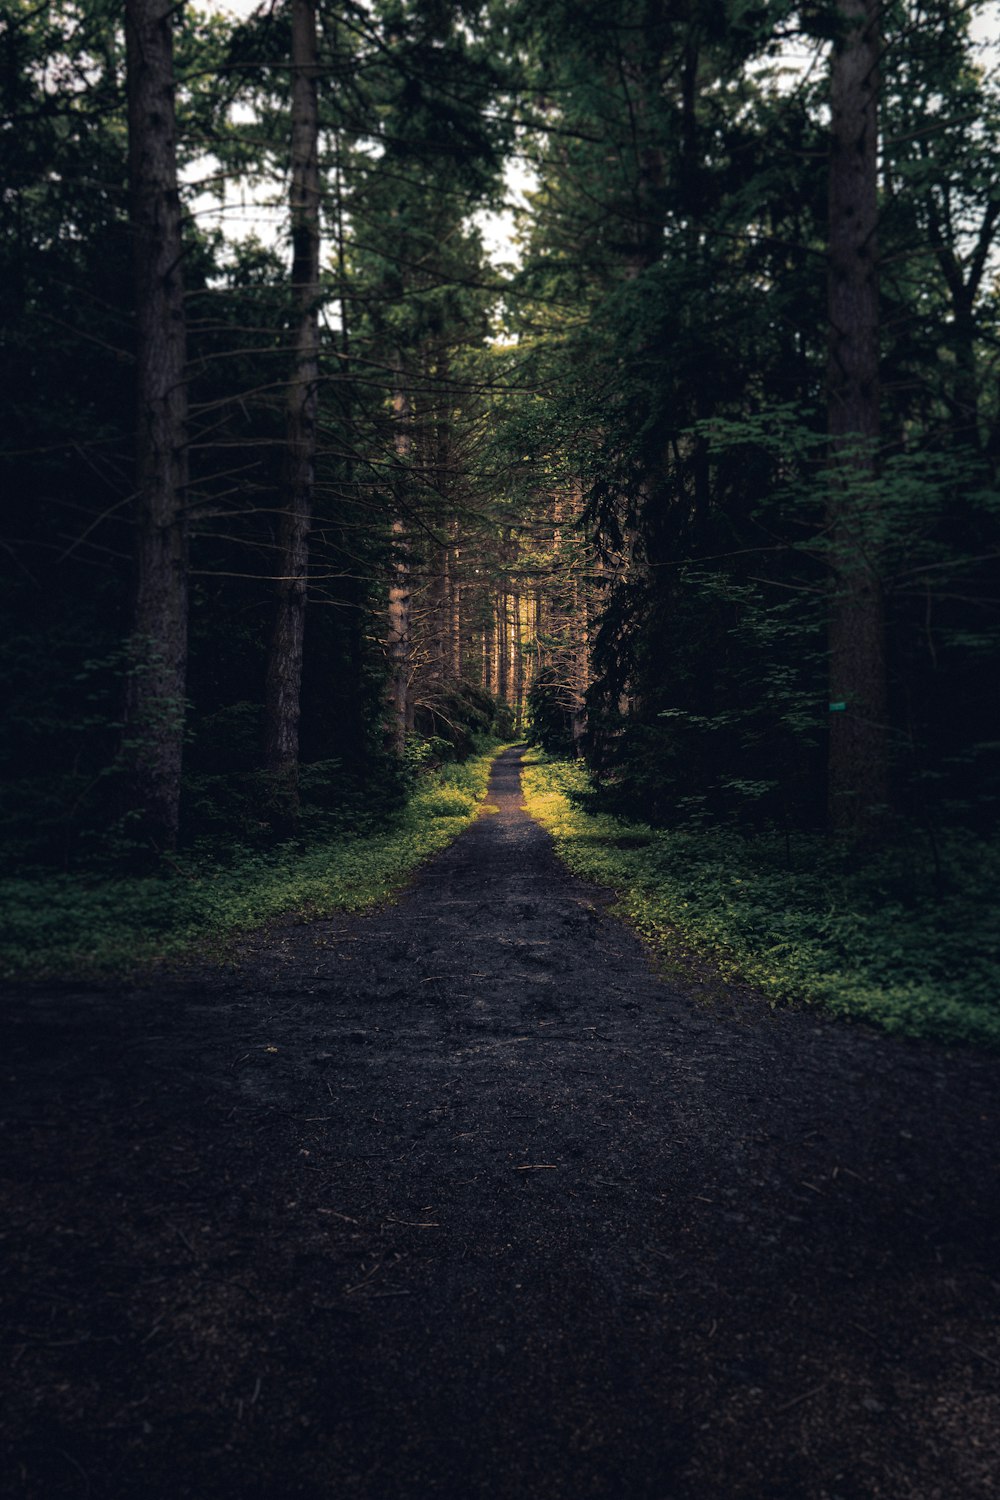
[(459, 1199)]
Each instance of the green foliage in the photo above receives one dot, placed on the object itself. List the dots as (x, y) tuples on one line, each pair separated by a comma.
[(505, 725), (673, 335), (666, 365), (880, 942), (62, 924), (410, 149), (459, 716), (449, 802), (551, 717)]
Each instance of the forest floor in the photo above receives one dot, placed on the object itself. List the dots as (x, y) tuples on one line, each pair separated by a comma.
[(460, 1199)]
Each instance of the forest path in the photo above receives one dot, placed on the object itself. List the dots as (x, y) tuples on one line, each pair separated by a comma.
[(459, 1199)]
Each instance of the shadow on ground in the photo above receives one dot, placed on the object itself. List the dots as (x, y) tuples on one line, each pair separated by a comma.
[(459, 1199)]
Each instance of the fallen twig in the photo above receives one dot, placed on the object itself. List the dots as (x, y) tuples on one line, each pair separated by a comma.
[(364, 1280), (182, 1236), (978, 1353), (77, 1466), (797, 1400)]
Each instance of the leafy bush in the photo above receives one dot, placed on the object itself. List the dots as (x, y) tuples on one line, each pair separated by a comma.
[(447, 802), (227, 740), (457, 720), (737, 742), (552, 714)]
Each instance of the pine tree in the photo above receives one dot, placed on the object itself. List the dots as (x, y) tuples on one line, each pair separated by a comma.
[(284, 668), (154, 714), (858, 763)]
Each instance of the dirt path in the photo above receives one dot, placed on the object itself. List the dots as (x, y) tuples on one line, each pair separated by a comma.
[(460, 1200)]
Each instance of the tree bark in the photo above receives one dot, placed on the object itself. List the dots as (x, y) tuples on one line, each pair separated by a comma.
[(641, 75), (488, 608), (504, 679), (155, 687), (455, 587), (858, 754), (581, 665), (964, 283), (399, 639), (518, 653), (284, 667)]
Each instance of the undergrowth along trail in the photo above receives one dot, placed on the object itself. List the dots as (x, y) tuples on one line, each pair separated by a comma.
[(811, 929), (715, 907), (458, 1198), (78, 925)]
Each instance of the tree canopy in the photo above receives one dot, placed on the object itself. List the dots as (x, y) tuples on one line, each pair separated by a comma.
[(699, 484)]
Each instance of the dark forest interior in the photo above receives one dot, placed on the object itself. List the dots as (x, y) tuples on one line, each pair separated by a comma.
[(500, 761), (695, 481)]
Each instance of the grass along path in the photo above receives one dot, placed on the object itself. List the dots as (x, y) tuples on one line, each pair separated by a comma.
[(74, 925), (876, 944), (456, 1198)]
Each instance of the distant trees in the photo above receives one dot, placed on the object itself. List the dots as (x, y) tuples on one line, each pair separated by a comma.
[(266, 449), (720, 454)]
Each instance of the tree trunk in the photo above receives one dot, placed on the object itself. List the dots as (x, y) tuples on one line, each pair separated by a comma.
[(964, 284), (284, 667), (518, 651), (455, 583), (858, 760), (641, 71), (489, 676), (966, 387), (400, 588), (155, 690), (503, 644), (581, 665)]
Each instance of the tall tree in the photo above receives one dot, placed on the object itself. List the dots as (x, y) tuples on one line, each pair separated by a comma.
[(399, 642), (858, 756), (284, 668), (415, 268), (940, 113), (155, 698)]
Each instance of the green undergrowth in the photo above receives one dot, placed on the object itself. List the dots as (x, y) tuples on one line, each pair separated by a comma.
[(66, 925), (894, 942)]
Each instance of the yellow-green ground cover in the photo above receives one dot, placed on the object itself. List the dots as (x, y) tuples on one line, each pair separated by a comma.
[(802, 923), (69, 924)]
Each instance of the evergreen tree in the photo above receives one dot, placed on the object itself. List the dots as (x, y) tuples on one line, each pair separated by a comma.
[(284, 668), (858, 764), (155, 701)]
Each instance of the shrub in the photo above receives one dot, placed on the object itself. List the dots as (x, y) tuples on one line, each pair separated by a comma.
[(443, 802)]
